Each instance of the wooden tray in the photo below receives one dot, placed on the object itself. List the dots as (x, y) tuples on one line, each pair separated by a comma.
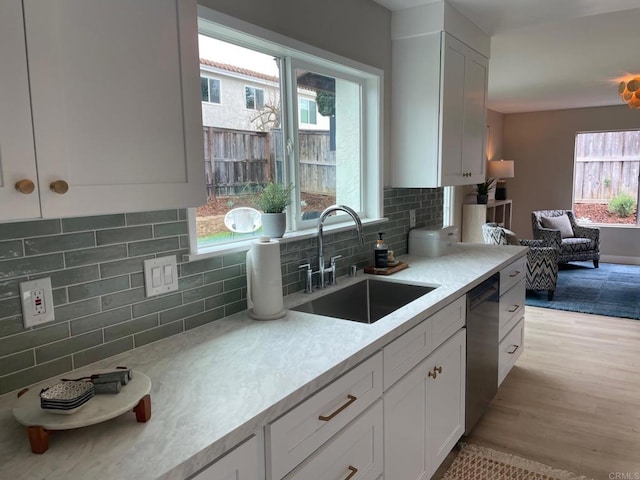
[(133, 396), (386, 271)]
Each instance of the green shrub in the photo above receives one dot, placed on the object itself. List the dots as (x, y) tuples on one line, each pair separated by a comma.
[(623, 205)]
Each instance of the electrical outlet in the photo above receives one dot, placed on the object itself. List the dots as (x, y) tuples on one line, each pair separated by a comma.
[(412, 218), (37, 302)]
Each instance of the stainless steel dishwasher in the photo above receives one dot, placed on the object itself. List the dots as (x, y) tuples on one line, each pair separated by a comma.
[(482, 349)]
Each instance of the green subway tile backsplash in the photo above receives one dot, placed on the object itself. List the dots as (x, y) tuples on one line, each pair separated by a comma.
[(29, 229), (59, 243), (96, 264), (11, 249), (78, 224)]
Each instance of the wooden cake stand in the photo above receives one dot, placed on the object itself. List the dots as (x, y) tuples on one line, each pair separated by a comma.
[(40, 422)]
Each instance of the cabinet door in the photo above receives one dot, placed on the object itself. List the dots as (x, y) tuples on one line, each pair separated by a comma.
[(464, 90), (17, 155), (405, 427), (116, 104), (243, 463), (424, 413), (446, 397)]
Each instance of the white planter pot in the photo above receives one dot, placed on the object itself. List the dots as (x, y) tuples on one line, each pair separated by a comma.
[(274, 224)]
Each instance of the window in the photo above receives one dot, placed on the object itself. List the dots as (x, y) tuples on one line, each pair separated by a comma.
[(210, 89), (605, 186), (309, 120), (254, 98), (307, 111)]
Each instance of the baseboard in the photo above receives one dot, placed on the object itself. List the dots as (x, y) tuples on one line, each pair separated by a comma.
[(620, 259)]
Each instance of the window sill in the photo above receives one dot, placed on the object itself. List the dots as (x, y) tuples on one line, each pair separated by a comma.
[(245, 245)]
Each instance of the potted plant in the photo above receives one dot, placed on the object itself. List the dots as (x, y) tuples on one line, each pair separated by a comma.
[(272, 200), (482, 190)]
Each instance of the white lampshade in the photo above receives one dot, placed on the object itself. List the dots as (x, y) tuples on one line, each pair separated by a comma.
[(500, 169)]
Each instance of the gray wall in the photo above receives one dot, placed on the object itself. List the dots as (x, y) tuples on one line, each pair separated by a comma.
[(542, 146), (96, 263)]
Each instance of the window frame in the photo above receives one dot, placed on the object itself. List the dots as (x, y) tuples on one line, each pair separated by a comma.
[(255, 97), (635, 225), (230, 29), (308, 109), (209, 79)]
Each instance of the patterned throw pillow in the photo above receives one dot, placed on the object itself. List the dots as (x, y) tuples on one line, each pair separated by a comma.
[(561, 223)]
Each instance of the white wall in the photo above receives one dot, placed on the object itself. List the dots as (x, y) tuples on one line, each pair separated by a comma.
[(542, 146)]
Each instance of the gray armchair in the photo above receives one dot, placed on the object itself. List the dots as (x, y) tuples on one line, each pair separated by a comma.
[(575, 243), (542, 260)]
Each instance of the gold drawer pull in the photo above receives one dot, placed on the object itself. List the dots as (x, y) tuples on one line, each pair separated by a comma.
[(353, 471), (436, 371), (515, 349), (25, 186), (59, 186), (329, 417), (513, 308), (514, 274)]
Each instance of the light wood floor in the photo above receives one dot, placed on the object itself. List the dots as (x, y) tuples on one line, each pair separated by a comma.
[(573, 399)]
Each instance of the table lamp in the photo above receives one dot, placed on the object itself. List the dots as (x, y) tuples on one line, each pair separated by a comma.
[(500, 169)]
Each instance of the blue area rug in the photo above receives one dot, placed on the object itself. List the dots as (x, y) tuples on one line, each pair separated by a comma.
[(612, 290)]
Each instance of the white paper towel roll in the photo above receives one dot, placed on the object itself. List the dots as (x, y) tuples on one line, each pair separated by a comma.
[(264, 280)]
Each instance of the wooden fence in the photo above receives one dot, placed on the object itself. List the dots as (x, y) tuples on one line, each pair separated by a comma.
[(607, 164), (237, 161)]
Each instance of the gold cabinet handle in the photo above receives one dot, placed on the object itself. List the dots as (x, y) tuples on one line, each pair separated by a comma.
[(25, 186), (350, 400), (514, 274), (353, 471), (513, 308), (434, 374), (59, 186), (515, 349)]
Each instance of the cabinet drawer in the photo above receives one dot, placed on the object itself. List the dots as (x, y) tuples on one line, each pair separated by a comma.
[(411, 348), (512, 274), (511, 307), (510, 349), (298, 433), (356, 451)]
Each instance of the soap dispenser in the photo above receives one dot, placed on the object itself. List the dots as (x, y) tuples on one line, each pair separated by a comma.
[(380, 254)]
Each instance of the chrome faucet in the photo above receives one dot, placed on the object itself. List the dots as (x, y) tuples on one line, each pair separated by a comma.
[(322, 270)]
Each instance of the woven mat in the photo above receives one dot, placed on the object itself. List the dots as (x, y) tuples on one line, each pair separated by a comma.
[(479, 463)]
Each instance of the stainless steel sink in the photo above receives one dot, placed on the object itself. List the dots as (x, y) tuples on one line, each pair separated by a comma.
[(366, 302)]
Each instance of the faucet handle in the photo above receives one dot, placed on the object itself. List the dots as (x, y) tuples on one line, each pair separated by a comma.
[(308, 287), (334, 258)]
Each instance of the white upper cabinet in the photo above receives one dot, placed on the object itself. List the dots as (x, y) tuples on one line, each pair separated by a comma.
[(115, 105), (439, 99), (17, 155)]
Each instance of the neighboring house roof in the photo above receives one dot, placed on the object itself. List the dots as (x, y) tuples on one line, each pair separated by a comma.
[(252, 73), (239, 70)]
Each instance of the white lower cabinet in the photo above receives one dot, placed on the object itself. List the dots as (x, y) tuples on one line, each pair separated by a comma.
[(355, 453), (424, 413), (511, 330), (246, 462)]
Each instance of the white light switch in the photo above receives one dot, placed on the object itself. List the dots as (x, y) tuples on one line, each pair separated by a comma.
[(37, 302), (160, 275)]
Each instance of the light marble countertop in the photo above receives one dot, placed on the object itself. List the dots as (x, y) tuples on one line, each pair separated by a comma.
[(216, 385)]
